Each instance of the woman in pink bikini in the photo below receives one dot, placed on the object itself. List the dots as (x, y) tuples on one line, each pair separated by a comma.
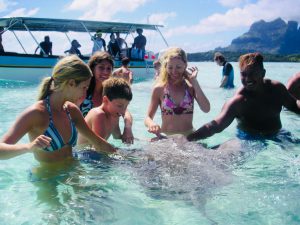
[(175, 92)]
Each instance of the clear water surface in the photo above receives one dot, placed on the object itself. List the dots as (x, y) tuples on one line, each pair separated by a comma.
[(168, 182)]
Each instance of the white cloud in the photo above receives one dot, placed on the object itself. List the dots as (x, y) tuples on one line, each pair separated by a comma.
[(161, 18), (3, 5), (104, 9), (242, 17), (231, 3), (22, 12)]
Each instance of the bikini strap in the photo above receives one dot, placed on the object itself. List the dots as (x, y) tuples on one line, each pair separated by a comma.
[(47, 101)]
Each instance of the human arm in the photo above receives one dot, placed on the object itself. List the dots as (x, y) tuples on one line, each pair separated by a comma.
[(154, 103), (23, 125), (96, 140), (130, 76), (127, 136), (36, 49), (293, 86), (8, 151), (200, 97), (289, 101), (224, 81), (50, 52), (223, 120)]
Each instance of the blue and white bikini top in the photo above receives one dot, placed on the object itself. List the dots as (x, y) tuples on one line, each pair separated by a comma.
[(57, 141), (86, 105)]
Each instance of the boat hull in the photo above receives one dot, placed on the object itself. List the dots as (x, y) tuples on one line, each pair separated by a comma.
[(33, 68)]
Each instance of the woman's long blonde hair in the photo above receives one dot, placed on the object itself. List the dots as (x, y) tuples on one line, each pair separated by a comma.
[(69, 67), (173, 52)]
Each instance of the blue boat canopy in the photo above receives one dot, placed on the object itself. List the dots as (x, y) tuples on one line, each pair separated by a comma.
[(65, 25)]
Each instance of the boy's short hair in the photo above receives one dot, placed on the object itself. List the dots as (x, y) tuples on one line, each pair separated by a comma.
[(115, 88), (255, 59), (219, 57)]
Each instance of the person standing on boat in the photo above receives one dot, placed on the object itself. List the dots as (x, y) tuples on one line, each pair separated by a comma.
[(175, 92), (101, 65), (52, 122), (227, 72), (99, 42), (113, 46), (46, 46), (74, 50), (256, 105), (140, 43), (122, 45)]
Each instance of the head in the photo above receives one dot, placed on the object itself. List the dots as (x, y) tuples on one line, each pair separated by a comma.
[(47, 38), (116, 95), (75, 44), (98, 34), (125, 61), (101, 65), (219, 58), (117, 34), (139, 30), (70, 70), (112, 36), (173, 65), (252, 70)]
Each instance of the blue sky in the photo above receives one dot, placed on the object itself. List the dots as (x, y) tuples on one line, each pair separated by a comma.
[(194, 25)]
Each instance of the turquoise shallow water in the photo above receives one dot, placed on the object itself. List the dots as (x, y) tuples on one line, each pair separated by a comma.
[(169, 182)]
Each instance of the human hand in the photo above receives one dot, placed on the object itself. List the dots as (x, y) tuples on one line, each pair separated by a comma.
[(127, 136), (41, 141), (155, 129), (192, 73)]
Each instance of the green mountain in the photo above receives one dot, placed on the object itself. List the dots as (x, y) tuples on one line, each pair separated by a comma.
[(277, 40), (275, 37)]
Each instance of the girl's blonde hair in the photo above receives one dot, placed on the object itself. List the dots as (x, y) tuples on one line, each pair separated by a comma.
[(68, 68), (170, 53)]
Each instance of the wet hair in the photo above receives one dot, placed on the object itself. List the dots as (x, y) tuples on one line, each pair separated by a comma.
[(219, 57), (95, 59), (170, 53), (68, 68), (117, 88), (251, 59), (125, 61)]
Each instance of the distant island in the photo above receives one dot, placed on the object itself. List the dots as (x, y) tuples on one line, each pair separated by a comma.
[(277, 40)]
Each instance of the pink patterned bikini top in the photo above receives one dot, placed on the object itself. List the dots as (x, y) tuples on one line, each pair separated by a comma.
[(169, 107)]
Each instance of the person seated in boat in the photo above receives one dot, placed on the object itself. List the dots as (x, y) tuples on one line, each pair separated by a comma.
[(122, 45), (175, 92), (124, 71), (101, 65), (99, 42), (293, 85), (139, 43), (104, 119), (45, 46), (52, 122), (256, 105), (113, 46), (1, 46), (74, 50)]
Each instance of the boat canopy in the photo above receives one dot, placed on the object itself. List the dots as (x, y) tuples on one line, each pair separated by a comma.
[(65, 25)]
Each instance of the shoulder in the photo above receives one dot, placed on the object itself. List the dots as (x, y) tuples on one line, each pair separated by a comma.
[(158, 90), (95, 114)]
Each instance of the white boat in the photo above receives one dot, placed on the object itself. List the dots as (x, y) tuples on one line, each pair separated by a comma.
[(33, 67)]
